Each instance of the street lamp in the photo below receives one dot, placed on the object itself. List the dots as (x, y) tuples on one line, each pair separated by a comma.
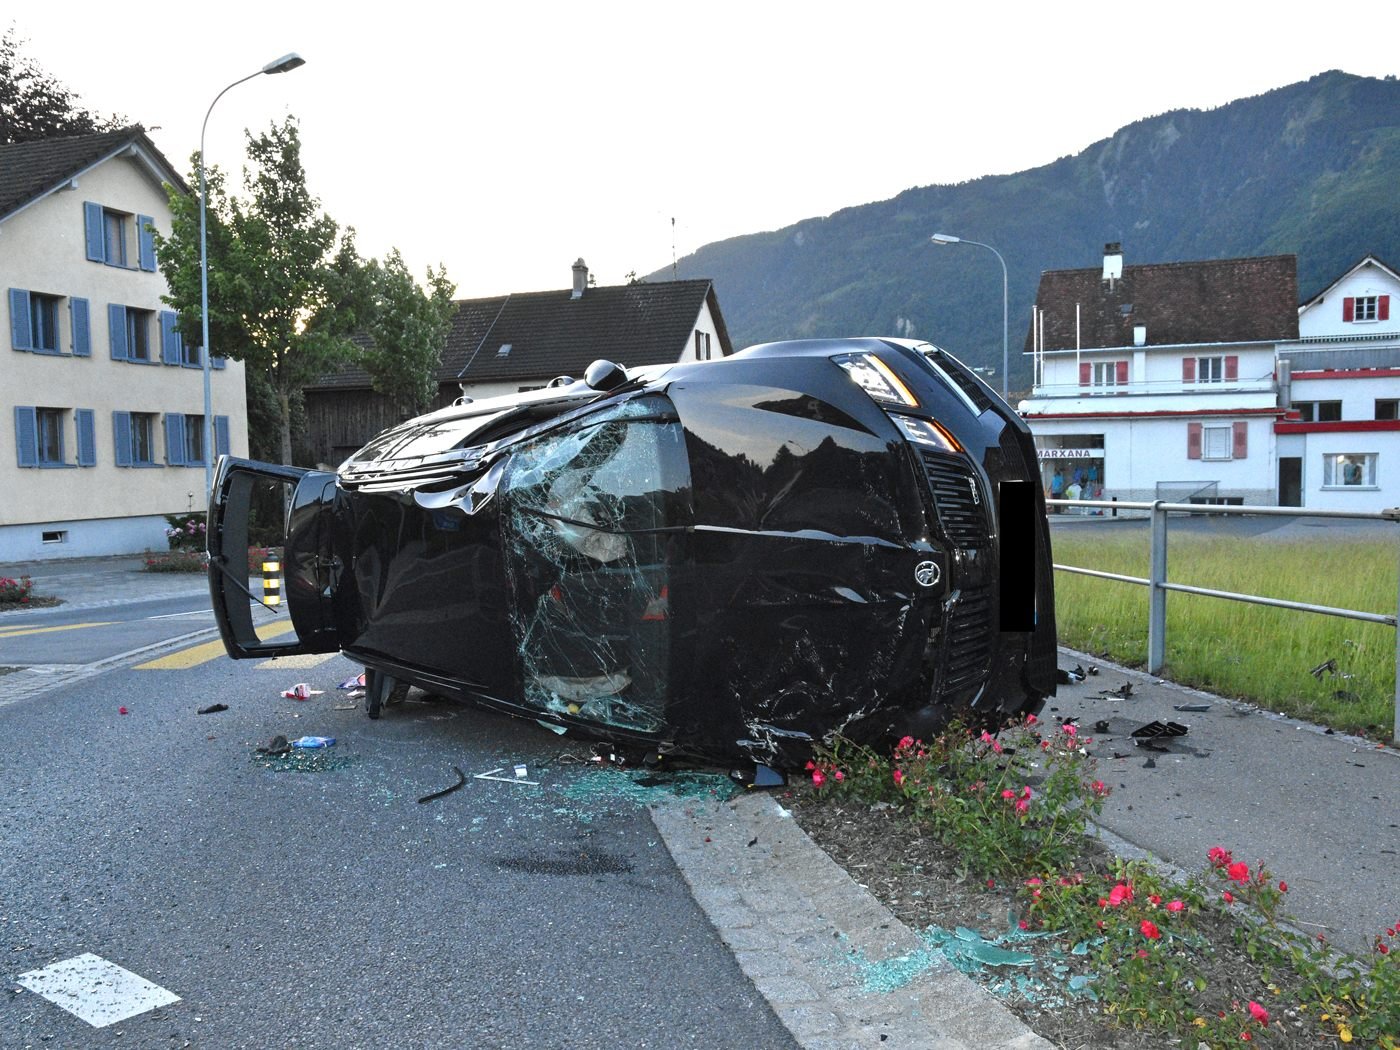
[(948, 238), (279, 65)]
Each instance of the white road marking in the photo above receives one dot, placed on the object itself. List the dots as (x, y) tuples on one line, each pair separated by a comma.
[(95, 990)]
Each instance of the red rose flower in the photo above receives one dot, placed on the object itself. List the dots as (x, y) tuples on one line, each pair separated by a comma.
[(1149, 930)]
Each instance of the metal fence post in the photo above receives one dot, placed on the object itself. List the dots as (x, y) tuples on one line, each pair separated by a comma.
[(1157, 594), (1395, 725)]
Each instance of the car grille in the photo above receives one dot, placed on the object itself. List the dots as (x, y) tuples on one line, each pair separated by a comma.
[(969, 640), (958, 502)]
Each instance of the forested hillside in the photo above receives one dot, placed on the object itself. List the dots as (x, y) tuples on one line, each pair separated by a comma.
[(1312, 169)]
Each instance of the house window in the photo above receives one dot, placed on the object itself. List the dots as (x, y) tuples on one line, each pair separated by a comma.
[(43, 322), (1349, 470), (194, 440), (1366, 308), (41, 440), (1105, 373), (50, 435), (1210, 369), (138, 334), (1318, 411), (1387, 408), (1216, 442), (143, 443), (114, 226), (702, 346)]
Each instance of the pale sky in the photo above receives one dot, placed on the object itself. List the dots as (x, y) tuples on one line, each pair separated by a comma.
[(507, 139)]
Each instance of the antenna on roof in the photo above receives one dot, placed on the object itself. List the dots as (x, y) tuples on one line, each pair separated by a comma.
[(675, 276)]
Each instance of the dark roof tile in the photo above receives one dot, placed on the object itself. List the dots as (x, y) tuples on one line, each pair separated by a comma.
[(552, 333), (1213, 301), (30, 169)]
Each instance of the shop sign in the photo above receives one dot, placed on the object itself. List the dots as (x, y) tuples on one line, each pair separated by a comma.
[(1069, 453)]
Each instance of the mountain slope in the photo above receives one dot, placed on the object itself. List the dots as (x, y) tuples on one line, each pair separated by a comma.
[(1310, 169)]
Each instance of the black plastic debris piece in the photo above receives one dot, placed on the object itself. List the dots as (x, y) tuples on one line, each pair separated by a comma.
[(1191, 707), (1151, 763), (278, 745), (1326, 667), (1101, 726), (461, 781), (1121, 693), (212, 709), (1092, 670), (1070, 677), (1145, 735)]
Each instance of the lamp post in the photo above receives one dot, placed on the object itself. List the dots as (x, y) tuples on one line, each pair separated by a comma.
[(947, 238), (280, 65)]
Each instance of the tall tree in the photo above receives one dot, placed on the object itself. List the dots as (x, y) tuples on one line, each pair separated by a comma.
[(407, 327), (286, 286), (34, 105)]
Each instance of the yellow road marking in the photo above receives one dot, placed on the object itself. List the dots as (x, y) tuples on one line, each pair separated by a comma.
[(16, 632), (200, 654)]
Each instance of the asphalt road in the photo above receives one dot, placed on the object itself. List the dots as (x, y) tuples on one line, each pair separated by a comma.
[(328, 907)]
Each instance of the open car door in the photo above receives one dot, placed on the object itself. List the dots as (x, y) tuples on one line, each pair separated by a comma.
[(272, 549)]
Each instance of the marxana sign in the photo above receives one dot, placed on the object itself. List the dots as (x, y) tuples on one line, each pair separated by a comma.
[(1069, 453)]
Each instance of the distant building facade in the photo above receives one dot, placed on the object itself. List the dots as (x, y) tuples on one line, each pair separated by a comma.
[(1204, 381), (508, 343), (103, 402)]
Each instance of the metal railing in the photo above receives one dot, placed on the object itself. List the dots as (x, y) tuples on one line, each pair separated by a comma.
[(1159, 585)]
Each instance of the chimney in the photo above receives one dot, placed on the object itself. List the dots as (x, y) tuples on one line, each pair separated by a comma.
[(580, 279), (1112, 261), (1139, 335)]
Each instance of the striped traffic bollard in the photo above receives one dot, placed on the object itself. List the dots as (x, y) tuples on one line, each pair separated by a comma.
[(272, 582)]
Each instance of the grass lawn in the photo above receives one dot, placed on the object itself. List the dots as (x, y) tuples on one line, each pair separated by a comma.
[(1248, 651)]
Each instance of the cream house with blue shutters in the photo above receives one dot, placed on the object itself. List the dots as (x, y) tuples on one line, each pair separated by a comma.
[(102, 432)]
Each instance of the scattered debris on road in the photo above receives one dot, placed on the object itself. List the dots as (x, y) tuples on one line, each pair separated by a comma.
[(212, 709), (461, 782)]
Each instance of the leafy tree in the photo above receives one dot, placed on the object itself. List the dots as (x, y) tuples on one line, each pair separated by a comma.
[(406, 327), (286, 286), (33, 105)]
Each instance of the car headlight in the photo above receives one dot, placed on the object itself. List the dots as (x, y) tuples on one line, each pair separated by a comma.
[(876, 378), (926, 433)]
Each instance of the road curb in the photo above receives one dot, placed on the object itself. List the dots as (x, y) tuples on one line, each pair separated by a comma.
[(811, 939)]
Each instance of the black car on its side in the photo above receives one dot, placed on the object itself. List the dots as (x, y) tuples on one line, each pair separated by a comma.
[(723, 559)]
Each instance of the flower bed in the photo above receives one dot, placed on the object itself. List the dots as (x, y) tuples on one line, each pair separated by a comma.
[(1104, 952)]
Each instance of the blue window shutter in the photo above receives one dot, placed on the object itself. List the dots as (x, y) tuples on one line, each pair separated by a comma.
[(21, 334), (116, 326), (82, 327), (93, 232), (146, 241), (27, 435), (87, 437), (218, 362), (175, 439), (221, 435), (169, 338), (121, 435)]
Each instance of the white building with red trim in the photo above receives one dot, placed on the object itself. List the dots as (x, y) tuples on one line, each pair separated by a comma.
[(1205, 381), (1158, 381), (1338, 447)]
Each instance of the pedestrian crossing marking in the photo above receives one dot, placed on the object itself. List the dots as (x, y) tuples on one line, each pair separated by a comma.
[(20, 631), (184, 659)]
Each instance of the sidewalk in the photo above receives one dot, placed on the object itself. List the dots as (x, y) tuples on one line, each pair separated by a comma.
[(92, 583), (1321, 810)]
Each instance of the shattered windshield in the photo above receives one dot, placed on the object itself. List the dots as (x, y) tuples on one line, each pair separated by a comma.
[(587, 514)]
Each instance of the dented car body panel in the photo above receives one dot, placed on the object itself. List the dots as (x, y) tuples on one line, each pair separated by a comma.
[(723, 559)]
